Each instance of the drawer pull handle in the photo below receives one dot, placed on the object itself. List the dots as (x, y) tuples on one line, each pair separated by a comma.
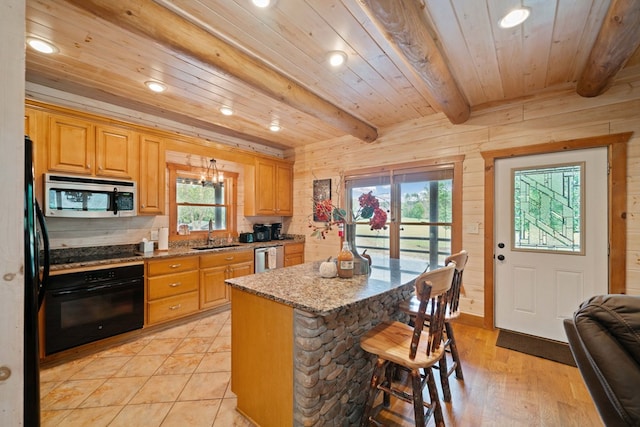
[(175, 285), (175, 265), (229, 258), (175, 307)]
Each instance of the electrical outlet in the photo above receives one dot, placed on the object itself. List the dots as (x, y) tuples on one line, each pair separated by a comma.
[(154, 234)]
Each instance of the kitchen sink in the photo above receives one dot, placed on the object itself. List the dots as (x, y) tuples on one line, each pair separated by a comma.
[(209, 248)]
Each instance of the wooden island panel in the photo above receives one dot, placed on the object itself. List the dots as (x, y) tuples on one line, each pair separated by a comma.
[(262, 359)]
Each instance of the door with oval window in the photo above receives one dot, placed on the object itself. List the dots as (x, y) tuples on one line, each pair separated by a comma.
[(551, 238)]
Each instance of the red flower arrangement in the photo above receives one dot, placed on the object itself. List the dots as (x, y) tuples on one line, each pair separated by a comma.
[(331, 215), (370, 209)]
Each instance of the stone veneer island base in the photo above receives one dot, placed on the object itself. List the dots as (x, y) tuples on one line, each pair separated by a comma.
[(295, 353)]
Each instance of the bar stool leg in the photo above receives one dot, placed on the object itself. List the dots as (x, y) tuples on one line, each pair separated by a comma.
[(378, 373), (418, 403), (454, 350), (435, 401), (444, 378)]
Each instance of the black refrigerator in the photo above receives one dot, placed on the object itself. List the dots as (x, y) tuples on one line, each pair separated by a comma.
[(36, 241)]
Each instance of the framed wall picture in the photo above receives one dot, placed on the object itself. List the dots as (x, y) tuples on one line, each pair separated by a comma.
[(321, 197)]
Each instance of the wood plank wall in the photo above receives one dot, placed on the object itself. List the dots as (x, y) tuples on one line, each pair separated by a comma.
[(547, 118), (12, 262)]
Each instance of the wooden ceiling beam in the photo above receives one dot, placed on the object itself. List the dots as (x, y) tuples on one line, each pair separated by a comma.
[(146, 18), (405, 26), (618, 39)]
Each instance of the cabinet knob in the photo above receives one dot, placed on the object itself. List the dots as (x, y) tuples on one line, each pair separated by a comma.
[(143, 206)]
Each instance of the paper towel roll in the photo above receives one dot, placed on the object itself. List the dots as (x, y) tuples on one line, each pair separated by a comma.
[(163, 239)]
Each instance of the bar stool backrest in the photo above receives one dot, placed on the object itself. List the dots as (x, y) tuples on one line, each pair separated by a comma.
[(431, 290), (453, 298)]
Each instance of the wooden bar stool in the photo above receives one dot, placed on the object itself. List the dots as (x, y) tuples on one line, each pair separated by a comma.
[(452, 312), (414, 349)]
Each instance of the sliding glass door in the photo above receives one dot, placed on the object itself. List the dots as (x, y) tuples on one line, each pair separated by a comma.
[(419, 205)]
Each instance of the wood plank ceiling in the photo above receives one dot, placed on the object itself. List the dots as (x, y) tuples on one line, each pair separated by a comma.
[(406, 59)]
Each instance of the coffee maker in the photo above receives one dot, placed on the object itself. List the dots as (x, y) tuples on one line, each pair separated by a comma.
[(262, 232), (276, 231)]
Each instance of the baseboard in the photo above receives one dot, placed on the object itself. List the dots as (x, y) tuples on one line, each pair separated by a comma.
[(470, 320)]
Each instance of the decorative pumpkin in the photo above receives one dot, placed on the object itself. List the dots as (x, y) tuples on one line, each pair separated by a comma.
[(328, 268)]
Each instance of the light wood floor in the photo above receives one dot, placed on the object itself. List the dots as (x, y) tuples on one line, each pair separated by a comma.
[(180, 377), (505, 388)]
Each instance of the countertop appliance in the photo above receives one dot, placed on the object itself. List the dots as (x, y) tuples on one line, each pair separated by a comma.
[(261, 232), (268, 258), (34, 286), (86, 306), (246, 238), (276, 231), (87, 197)]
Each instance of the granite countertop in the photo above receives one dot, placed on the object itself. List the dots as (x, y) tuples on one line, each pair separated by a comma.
[(73, 258), (302, 287)]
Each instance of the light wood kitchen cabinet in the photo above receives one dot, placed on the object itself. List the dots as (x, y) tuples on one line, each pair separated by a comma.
[(215, 268), (172, 288), (116, 152), (30, 123), (151, 184), (269, 188), (72, 145), (33, 127), (293, 254), (80, 146)]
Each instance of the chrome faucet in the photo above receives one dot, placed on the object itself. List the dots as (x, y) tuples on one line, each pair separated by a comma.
[(209, 238)]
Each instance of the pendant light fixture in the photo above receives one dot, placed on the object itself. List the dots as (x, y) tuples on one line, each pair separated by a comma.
[(212, 175)]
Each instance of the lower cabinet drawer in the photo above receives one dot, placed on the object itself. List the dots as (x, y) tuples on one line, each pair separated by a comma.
[(172, 307), (172, 284)]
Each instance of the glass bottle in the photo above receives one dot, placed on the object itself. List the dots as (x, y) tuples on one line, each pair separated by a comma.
[(345, 261)]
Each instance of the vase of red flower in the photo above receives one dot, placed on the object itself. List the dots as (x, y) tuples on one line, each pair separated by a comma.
[(369, 208), (360, 264)]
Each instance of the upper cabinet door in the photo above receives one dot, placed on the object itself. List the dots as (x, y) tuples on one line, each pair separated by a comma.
[(79, 146), (151, 185), (284, 184), (268, 188), (71, 145), (116, 152)]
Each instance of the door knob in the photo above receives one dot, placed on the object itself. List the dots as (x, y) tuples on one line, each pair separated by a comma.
[(501, 245), (500, 257)]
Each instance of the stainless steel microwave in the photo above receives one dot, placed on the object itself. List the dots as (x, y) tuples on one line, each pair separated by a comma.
[(87, 197)]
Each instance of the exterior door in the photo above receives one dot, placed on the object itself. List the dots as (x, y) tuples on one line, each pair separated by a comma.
[(551, 238)]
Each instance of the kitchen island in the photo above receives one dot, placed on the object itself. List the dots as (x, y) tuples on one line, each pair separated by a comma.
[(296, 358)]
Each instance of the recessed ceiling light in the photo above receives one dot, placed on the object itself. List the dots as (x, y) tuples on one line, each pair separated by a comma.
[(227, 111), (337, 58), (155, 86), (515, 17), (41, 45), (274, 127), (261, 3)]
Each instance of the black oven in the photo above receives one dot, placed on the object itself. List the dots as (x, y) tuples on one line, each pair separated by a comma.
[(82, 307)]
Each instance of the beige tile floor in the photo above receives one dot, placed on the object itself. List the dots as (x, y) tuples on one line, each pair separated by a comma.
[(176, 377)]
